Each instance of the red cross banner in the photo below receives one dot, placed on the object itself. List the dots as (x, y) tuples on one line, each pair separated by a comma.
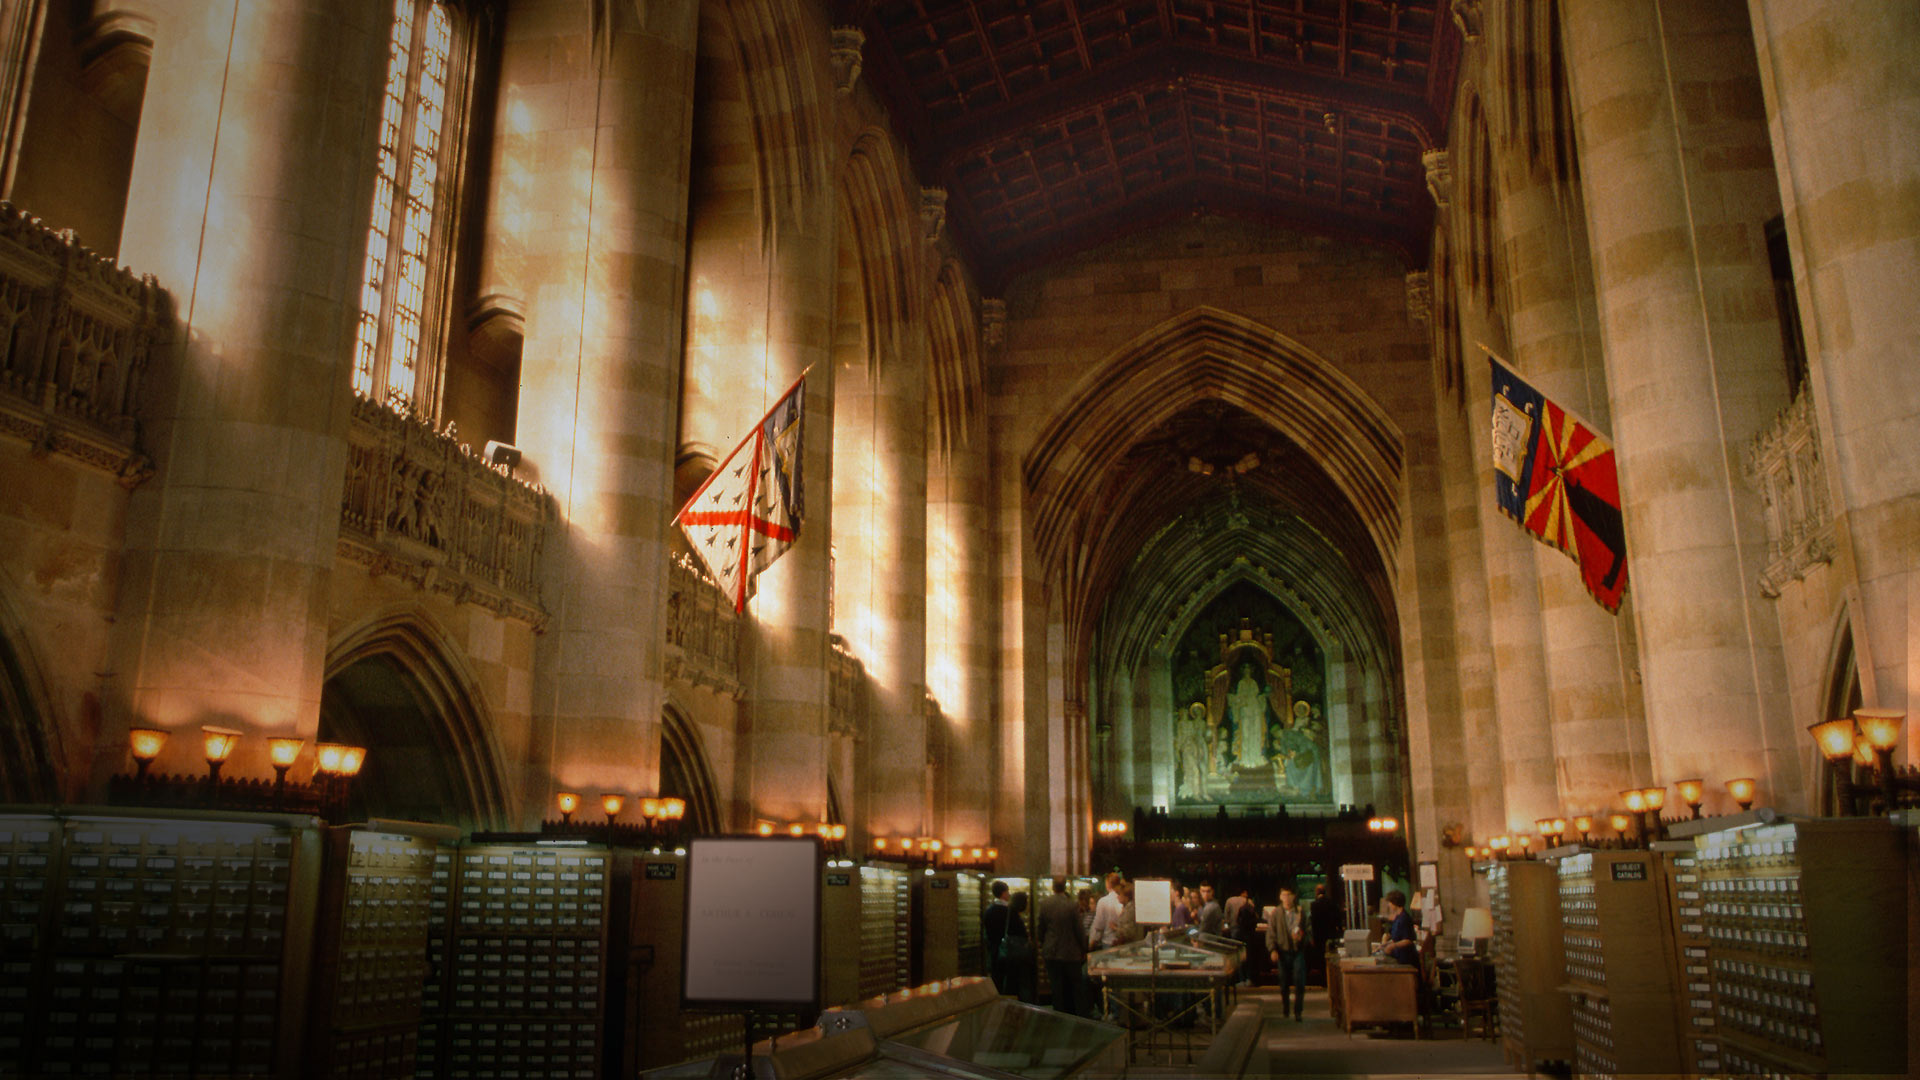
[(747, 514)]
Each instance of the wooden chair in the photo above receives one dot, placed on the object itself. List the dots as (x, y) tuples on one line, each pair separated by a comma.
[(1478, 996)]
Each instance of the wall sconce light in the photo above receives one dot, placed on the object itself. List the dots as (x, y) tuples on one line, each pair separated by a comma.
[(282, 750), (351, 758), (649, 808), (796, 829), (1583, 825), (993, 854), (1620, 823), (145, 745), (327, 758), (673, 809), (219, 743), (765, 828), (568, 802), (611, 804), (1691, 792), (1741, 789), (1636, 800), (1880, 730), (879, 843), (1654, 798), (1835, 738)]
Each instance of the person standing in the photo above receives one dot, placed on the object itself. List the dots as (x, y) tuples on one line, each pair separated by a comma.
[(1017, 949), (1212, 919), (1056, 929), (993, 931), (1246, 930), (1105, 913), (1182, 915), (1324, 924), (1289, 941)]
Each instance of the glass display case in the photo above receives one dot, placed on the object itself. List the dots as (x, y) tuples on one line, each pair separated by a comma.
[(1008, 1037), (1181, 959)]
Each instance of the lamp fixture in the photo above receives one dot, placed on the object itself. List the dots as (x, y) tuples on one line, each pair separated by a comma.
[(1636, 800), (145, 745), (1583, 825), (351, 759), (1741, 788), (219, 743), (765, 828), (1690, 793), (649, 808), (1620, 823), (327, 758), (1880, 729), (611, 804), (568, 802)]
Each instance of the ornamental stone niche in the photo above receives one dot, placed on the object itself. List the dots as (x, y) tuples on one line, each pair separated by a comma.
[(1783, 464)]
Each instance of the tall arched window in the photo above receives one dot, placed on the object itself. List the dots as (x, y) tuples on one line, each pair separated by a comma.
[(402, 287)]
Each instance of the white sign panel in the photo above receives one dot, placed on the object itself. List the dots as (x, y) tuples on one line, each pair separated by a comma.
[(752, 921), (1152, 902), (1357, 872)]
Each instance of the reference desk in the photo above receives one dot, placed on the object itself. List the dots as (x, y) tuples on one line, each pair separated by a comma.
[(1375, 993)]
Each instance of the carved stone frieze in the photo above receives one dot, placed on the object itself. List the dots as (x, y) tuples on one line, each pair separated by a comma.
[(848, 41), (1783, 464), (77, 335), (421, 507), (1439, 166), (703, 630)]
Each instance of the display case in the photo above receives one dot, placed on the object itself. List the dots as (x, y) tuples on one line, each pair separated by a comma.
[(1184, 961), (1806, 942), (1620, 978), (173, 943), (1536, 1020)]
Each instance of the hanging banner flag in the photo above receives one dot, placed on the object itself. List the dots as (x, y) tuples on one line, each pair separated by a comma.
[(1556, 477), (748, 512)]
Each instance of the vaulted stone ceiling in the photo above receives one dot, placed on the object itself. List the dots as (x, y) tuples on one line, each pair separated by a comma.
[(1057, 123)]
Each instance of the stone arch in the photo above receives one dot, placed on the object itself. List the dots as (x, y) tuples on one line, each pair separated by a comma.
[(875, 212), (398, 685), (1206, 353), (686, 773), (29, 738), (779, 57)]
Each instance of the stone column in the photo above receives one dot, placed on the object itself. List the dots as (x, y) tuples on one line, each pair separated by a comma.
[(589, 227), (1598, 742), (1844, 104), (249, 199), (960, 619), (1670, 129)]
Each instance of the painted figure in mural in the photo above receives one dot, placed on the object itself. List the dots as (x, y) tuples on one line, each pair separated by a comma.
[(1249, 707), (1190, 751), (1298, 758)]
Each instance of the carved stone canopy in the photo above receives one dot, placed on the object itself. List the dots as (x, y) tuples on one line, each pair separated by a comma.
[(1439, 166), (848, 41)]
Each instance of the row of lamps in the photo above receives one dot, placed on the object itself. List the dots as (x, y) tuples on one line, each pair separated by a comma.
[(1643, 809), (1866, 739), (334, 767)]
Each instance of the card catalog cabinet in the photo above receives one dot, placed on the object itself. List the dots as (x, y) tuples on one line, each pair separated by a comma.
[(1806, 945), (972, 900), (168, 944), (1536, 1021), (1616, 926), (1699, 1042), (885, 941), (521, 981)]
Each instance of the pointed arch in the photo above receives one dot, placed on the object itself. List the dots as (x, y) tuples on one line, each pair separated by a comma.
[(685, 772), (955, 375), (874, 209), (404, 655), (29, 738), (1206, 353)]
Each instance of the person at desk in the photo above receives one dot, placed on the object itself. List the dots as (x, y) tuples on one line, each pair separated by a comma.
[(1398, 947)]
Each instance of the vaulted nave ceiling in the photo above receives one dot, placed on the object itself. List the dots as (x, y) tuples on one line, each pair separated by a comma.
[(1054, 124)]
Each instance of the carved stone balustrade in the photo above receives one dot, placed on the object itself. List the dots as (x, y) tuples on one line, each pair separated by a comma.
[(422, 507), (77, 334), (703, 630), (846, 690), (1783, 464)]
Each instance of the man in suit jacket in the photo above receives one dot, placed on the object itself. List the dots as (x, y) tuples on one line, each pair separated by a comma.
[(1289, 942), (993, 930), (1056, 930)]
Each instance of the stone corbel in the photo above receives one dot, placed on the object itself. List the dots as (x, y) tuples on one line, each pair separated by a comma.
[(848, 41), (1420, 297), (933, 211), (1439, 166), (993, 322), (1470, 18)]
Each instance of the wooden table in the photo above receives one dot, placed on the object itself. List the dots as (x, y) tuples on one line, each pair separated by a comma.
[(1373, 993)]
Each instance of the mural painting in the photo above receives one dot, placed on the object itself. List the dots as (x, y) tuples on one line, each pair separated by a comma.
[(1250, 727)]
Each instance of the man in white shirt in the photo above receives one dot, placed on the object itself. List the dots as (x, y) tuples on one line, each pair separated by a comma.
[(1105, 913)]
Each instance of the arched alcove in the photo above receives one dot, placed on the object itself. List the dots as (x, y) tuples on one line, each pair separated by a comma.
[(27, 741), (686, 774), (397, 687)]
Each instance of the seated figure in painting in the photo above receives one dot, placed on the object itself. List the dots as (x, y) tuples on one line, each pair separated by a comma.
[(1297, 760)]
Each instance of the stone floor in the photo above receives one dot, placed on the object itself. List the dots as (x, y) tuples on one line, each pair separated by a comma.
[(1315, 1047)]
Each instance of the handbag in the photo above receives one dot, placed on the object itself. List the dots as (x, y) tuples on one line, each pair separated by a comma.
[(1016, 950)]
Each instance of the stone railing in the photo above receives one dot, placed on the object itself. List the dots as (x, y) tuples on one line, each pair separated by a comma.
[(846, 689), (703, 630), (77, 334), (422, 507), (1783, 464)]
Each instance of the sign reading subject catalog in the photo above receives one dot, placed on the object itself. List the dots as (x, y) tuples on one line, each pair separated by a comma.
[(752, 923)]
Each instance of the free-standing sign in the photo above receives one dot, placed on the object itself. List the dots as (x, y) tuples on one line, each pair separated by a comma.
[(752, 923), (1152, 902)]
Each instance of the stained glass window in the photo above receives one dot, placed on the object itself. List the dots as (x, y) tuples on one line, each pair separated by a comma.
[(387, 361)]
